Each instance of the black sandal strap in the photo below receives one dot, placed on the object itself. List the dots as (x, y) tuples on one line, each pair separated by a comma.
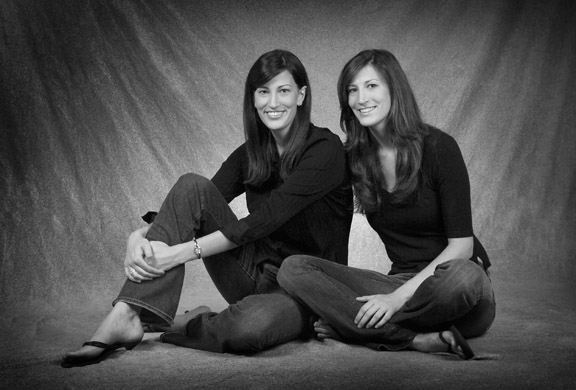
[(97, 344)]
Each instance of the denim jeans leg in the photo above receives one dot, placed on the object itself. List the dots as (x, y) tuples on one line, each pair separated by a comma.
[(194, 206), (330, 291), (458, 293), (254, 323)]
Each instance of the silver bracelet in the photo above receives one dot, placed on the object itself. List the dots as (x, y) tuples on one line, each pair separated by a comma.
[(197, 249)]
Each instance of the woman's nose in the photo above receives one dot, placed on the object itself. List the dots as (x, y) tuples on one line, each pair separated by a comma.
[(361, 96), (273, 100)]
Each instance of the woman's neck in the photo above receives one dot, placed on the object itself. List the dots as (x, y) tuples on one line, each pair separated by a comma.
[(281, 140), (382, 138)]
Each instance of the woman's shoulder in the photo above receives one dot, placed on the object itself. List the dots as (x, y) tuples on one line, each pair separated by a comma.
[(438, 141), (435, 134), (239, 155), (323, 134)]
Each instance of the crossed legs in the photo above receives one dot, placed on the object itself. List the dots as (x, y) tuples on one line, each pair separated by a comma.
[(459, 293)]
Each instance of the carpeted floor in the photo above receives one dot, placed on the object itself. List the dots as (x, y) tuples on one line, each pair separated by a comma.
[(532, 345), (104, 104)]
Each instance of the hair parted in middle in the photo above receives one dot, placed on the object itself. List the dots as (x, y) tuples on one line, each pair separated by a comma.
[(404, 126), (262, 151)]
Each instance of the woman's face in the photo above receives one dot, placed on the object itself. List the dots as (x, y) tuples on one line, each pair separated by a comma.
[(277, 102), (369, 98)]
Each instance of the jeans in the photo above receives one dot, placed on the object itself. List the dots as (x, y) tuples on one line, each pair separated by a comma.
[(260, 314), (458, 293)]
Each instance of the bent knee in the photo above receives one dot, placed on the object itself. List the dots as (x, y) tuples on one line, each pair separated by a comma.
[(191, 180), (192, 185), (462, 269), (288, 266), (466, 279), (292, 266)]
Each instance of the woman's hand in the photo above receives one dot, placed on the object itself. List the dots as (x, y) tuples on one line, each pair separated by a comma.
[(138, 258), (164, 257), (377, 310)]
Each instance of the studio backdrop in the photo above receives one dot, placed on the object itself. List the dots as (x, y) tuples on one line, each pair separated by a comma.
[(104, 104)]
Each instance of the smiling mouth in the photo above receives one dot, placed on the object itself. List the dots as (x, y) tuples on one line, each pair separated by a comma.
[(274, 114), (367, 109)]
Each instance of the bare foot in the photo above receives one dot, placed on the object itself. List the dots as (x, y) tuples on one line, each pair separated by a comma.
[(180, 321), (325, 331), (431, 342), (121, 325)]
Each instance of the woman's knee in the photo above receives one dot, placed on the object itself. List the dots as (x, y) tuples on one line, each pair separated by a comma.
[(192, 188), (464, 279), (191, 181), (462, 271), (292, 268)]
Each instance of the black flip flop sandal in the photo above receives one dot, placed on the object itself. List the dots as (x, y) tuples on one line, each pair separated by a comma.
[(107, 350), (460, 341)]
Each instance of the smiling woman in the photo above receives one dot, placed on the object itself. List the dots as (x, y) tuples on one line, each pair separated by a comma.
[(277, 102), (296, 184), (369, 98), (411, 182), (276, 86)]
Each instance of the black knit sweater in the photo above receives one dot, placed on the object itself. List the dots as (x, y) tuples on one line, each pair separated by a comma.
[(309, 213)]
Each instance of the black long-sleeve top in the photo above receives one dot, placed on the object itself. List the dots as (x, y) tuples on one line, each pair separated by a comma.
[(308, 213)]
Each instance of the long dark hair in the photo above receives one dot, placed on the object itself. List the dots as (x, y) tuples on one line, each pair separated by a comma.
[(404, 126), (262, 152)]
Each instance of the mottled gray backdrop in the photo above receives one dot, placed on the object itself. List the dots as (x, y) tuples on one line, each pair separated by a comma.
[(105, 103)]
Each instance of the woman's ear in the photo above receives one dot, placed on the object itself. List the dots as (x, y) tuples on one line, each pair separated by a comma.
[(301, 95)]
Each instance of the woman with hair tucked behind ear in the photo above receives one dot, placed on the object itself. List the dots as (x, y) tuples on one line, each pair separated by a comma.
[(296, 184), (411, 182)]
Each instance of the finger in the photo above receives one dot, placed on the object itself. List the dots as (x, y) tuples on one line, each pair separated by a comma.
[(152, 271), (138, 252), (144, 274), (376, 317), (147, 249), (360, 314), (363, 309), (367, 314), (384, 319), (364, 320), (131, 274), (143, 250)]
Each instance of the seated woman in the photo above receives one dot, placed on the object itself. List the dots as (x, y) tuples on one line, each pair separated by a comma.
[(411, 182), (295, 179)]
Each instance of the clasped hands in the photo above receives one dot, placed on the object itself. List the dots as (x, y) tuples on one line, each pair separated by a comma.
[(147, 260)]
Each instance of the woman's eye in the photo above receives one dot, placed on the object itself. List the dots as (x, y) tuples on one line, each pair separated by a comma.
[(284, 90), (372, 85), (351, 90), (261, 91)]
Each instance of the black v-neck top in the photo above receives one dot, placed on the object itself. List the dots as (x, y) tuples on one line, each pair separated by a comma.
[(414, 235)]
